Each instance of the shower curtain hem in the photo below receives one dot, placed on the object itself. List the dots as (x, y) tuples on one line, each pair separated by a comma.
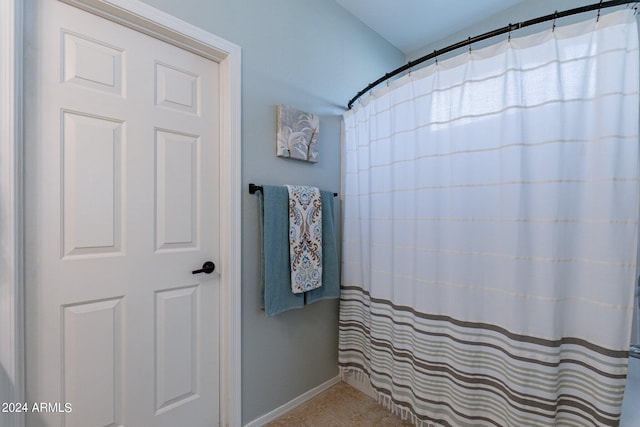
[(404, 413)]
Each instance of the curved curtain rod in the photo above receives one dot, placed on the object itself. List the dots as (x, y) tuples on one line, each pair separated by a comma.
[(487, 35)]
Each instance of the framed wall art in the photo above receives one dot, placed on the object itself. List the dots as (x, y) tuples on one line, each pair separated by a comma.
[(297, 135)]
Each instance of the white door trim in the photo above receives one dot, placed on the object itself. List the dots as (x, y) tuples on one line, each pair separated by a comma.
[(146, 19), (11, 296)]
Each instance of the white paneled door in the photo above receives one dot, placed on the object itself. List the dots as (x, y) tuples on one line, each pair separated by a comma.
[(121, 202)]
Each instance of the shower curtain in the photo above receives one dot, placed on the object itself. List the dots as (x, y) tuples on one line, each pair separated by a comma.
[(490, 232)]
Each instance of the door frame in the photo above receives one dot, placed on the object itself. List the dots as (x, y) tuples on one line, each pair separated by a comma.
[(148, 20)]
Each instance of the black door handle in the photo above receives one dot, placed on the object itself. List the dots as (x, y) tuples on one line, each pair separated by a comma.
[(207, 268)]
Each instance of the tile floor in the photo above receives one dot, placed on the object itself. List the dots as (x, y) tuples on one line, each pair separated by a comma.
[(340, 406)]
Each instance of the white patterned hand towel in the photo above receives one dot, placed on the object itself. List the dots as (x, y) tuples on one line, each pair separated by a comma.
[(305, 238)]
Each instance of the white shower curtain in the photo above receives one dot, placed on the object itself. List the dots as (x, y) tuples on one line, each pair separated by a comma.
[(490, 231)]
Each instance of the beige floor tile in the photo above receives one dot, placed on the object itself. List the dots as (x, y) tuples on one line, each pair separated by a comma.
[(340, 406)]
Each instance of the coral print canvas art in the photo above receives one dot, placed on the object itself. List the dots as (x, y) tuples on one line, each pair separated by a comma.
[(297, 134)]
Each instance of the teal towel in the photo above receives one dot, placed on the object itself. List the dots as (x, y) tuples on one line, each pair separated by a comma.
[(276, 269), (330, 277)]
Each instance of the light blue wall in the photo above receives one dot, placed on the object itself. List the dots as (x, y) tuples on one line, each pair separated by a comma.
[(314, 56)]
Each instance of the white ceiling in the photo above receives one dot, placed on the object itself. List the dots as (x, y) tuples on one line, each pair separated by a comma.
[(412, 24)]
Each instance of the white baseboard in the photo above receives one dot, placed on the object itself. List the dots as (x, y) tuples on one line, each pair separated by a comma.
[(281, 410)]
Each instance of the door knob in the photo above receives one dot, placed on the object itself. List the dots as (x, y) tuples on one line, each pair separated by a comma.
[(207, 268)]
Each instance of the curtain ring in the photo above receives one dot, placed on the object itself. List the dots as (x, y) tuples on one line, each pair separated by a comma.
[(469, 44), (598, 16), (435, 56), (555, 16), (509, 38)]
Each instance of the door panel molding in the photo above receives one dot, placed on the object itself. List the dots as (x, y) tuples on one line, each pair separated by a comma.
[(150, 21)]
